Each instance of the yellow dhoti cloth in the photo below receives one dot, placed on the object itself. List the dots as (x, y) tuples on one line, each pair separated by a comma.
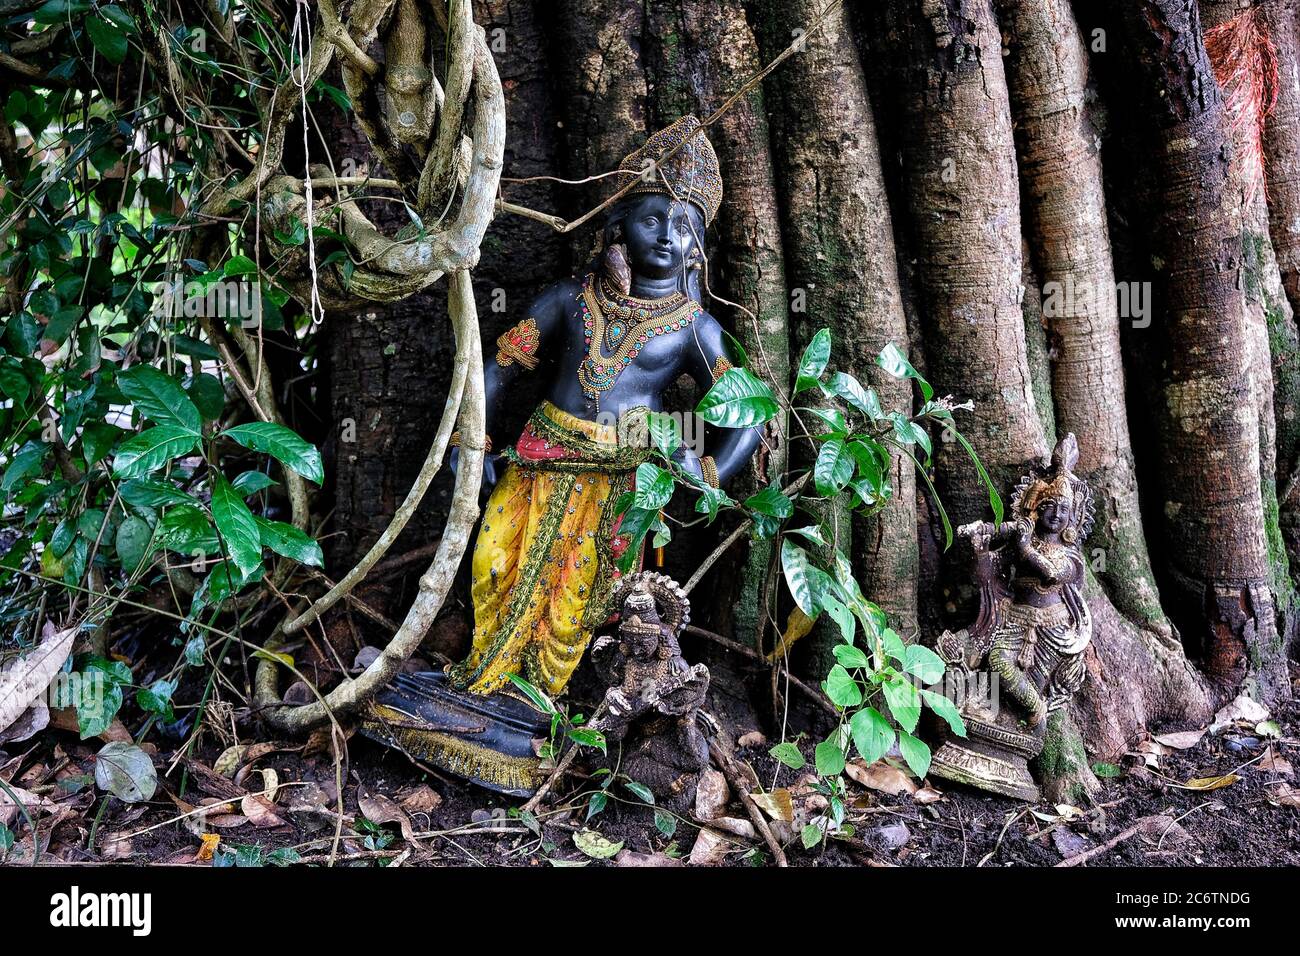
[(544, 563)]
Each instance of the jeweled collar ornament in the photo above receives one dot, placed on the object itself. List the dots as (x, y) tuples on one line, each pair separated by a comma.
[(626, 325)]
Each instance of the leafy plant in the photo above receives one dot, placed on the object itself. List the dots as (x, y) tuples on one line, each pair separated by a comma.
[(879, 684)]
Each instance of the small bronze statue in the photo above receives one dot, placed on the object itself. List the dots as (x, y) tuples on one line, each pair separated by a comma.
[(654, 698), (1032, 629)]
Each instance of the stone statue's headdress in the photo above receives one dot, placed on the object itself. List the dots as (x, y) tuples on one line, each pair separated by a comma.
[(691, 173), (1057, 481)]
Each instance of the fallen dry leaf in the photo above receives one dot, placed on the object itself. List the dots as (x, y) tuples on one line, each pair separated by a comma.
[(260, 811), (381, 809), (1285, 795), (632, 858), (25, 679), (1180, 739), (1275, 762), (778, 804), (421, 799), (711, 795), (927, 795), (1244, 709), (208, 847), (735, 826), (710, 848), (1211, 783), (752, 739), (1163, 830), (230, 759), (882, 777)]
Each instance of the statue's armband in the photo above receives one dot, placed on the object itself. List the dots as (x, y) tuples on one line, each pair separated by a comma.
[(519, 344)]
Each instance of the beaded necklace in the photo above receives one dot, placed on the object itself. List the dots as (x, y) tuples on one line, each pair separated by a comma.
[(624, 324)]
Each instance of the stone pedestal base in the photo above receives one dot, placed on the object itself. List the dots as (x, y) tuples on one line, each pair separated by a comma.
[(989, 758)]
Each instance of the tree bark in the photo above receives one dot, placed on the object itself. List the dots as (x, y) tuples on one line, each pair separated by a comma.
[(1219, 576), (842, 263)]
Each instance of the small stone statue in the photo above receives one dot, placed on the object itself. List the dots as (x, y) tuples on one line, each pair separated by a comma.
[(654, 698), (1032, 629)]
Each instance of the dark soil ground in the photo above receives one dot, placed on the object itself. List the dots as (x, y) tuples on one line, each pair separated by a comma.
[(395, 812)]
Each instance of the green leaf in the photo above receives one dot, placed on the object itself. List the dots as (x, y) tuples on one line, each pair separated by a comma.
[(284, 539), (665, 822), (829, 758), (239, 531), (923, 662), (810, 836), (156, 699), (132, 542), (151, 492), (841, 615), (915, 752), (946, 709), (186, 529), (904, 703), (107, 38), (282, 445), (664, 432), (850, 389), (871, 734), (893, 361), (850, 656), (894, 645), (26, 462), (251, 482), (642, 792), (788, 754), (738, 400), (96, 440), (770, 501), (208, 395), (806, 583), (151, 449), (239, 266), (596, 803), (538, 699), (813, 361), (833, 468), (909, 432), (159, 398), (596, 846), (654, 487), (1107, 770), (841, 688), (587, 737)]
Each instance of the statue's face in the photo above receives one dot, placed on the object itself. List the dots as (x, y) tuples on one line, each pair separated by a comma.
[(1054, 515), (660, 233)]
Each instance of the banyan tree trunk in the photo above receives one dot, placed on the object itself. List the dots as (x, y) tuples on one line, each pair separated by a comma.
[(842, 263), (941, 174), (1218, 569), (1138, 668)]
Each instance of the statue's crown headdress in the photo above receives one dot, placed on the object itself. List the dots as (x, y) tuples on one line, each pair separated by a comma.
[(1057, 481), (690, 173)]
